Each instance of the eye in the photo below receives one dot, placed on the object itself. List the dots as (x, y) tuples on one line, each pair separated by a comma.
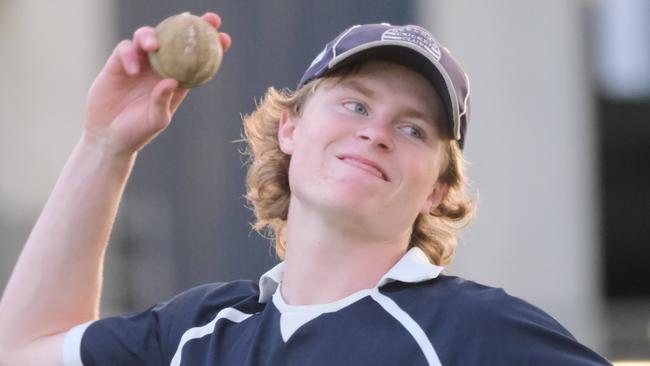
[(356, 107), (414, 132)]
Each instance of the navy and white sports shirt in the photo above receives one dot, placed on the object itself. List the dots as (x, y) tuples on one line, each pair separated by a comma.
[(414, 316)]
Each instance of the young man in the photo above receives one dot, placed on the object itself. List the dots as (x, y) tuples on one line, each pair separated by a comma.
[(359, 176)]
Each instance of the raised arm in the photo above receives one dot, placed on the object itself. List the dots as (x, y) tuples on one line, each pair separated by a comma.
[(57, 280)]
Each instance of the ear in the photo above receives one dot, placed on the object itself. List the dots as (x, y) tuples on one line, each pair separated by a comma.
[(437, 195), (286, 131)]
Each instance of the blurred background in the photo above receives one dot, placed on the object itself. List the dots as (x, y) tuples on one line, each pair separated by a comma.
[(559, 145)]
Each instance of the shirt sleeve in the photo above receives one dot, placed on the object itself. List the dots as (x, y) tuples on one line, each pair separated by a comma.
[(513, 331), (72, 345), (149, 337), (131, 339)]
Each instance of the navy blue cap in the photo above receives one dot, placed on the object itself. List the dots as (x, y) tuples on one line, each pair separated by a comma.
[(408, 45)]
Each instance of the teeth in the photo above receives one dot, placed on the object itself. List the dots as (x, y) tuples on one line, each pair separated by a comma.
[(366, 167)]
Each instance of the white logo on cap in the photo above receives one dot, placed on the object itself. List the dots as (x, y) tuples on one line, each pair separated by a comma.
[(319, 57), (415, 35)]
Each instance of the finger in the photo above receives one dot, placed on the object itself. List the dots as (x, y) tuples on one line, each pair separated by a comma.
[(177, 99), (161, 97), (226, 41), (114, 62), (212, 18), (145, 39), (128, 57)]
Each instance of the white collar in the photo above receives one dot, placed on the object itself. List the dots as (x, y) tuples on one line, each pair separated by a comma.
[(413, 267)]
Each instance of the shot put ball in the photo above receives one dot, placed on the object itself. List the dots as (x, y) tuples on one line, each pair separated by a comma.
[(189, 50)]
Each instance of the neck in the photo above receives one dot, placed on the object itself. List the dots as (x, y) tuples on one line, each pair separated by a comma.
[(341, 260)]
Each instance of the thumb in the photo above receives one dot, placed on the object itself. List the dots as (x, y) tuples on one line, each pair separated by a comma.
[(159, 108)]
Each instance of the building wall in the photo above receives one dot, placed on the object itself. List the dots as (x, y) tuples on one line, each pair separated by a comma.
[(532, 151), (51, 52)]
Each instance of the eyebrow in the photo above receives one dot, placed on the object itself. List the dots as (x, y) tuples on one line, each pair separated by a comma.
[(355, 85)]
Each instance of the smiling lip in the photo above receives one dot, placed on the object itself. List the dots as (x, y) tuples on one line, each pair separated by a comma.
[(364, 164)]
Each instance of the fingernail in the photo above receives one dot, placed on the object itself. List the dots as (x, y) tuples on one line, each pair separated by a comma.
[(149, 42)]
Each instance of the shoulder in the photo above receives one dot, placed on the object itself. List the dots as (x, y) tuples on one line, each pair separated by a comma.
[(493, 306), (454, 294), (482, 307), (219, 292), (197, 305), (493, 326), (190, 308)]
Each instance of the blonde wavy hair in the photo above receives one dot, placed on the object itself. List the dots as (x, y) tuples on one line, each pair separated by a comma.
[(267, 180)]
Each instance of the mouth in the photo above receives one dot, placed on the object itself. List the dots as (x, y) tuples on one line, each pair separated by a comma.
[(364, 164)]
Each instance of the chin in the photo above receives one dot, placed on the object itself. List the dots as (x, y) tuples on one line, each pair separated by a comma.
[(351, 196)]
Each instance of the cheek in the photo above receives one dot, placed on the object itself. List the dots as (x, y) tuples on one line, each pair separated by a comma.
[(433, 163), (320, 139), (424, 174), (317, 139), (307, 158)]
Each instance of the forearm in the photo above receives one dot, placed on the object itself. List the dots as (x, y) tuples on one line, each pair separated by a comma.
[(57, 280)]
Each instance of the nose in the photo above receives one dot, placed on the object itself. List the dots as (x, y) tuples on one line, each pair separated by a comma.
[(378, 133)]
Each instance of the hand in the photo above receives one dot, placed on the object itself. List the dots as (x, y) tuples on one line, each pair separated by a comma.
[(128, 104)]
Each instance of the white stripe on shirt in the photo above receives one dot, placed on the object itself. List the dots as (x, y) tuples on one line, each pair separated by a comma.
[(411, 326), (231, 314)]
